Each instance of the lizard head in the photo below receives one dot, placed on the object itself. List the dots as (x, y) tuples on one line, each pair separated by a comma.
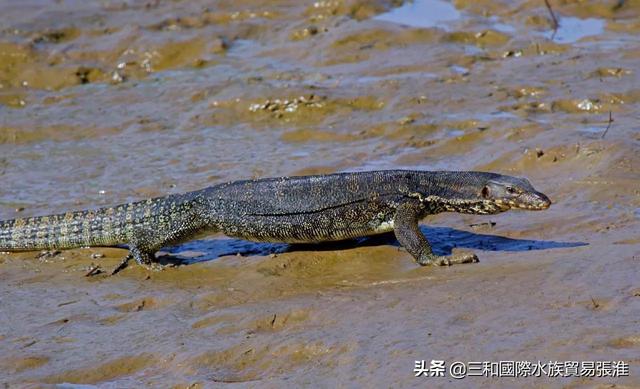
[(506, 192), (478, 193)]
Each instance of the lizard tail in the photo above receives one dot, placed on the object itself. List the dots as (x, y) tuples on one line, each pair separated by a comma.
[(101, 227)]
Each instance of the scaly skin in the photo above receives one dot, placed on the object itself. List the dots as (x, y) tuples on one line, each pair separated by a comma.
[(289, 209)]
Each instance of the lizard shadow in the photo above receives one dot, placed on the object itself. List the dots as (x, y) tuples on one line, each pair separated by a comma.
[(442, 239)]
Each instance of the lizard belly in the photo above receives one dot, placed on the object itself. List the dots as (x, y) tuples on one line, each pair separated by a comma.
[(309, 228), (332, 224), (385, 226)]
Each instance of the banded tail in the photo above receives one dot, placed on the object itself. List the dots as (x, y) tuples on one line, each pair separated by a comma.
[(100, 227)]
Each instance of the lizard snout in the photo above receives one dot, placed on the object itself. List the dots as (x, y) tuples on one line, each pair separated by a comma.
[(536, 201)]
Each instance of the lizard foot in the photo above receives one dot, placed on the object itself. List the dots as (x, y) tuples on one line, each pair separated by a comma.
[(149, 265), (434, 260), (153, 266)]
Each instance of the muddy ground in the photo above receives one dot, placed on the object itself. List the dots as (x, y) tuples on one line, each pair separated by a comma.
[(105, 102)]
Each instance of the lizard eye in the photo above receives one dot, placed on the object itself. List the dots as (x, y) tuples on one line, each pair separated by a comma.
[(511, 190)]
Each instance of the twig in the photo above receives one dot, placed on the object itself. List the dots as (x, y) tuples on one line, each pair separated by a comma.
[(553, 17), (608, 126), (93, 271), (489, 224)]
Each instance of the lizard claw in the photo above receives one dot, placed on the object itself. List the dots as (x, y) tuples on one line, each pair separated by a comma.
[(442, 261)]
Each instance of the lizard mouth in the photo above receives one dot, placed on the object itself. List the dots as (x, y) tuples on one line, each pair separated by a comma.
[(504, 205), (536, 202), (532, 207)]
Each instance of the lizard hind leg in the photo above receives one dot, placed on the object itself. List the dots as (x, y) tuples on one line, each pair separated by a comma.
[(144, 258)]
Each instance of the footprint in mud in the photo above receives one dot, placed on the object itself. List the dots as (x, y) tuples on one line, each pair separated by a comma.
[(140, 305), (443, 240)]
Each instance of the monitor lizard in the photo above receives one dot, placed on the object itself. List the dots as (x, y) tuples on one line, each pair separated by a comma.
[(304, 209)]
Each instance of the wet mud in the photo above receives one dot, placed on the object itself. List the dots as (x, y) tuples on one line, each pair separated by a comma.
[(108, 102)]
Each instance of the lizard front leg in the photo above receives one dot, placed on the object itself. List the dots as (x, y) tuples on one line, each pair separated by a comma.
[(411, 238)]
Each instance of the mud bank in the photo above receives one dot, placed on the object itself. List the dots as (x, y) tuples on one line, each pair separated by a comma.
[(107, 102)]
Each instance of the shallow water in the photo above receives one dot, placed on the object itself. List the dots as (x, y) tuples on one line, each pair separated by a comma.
[(573, 29), (429, 13), (107, 102)]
